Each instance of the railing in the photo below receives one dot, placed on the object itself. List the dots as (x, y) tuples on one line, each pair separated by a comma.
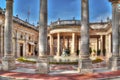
[(65, 22)]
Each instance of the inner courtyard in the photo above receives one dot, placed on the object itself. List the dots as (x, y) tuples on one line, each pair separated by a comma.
[(65, 45)]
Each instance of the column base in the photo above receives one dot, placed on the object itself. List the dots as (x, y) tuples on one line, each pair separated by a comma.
[(42, 65), (85, 66), (58, 54), (73, 54), (114, 63), (8, 63)]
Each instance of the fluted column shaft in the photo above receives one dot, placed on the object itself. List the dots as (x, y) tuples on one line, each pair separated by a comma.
[(51, 45), (115, 59), (85, 63), (43, 28), (73, 45), (8, 27), (8, 61), (58, 44), (43, 62), (101, 45), (84, 51), (115, 30)]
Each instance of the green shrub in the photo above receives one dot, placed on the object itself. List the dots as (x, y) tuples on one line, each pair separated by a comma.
[(94, 51), (97, 60), (22, 59), (98, 52), (90, 50), (67, 51), (64, 63)]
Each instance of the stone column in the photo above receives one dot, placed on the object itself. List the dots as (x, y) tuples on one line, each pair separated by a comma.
[(110, 54), (73, 45), (1, 40), (26, 44), (64, 47), (85, 64), (67, 42), (58, 44), (101, 45), (24, 49), (42, 62), (16, 44), (8, 61), (33, 50), (115, 60), (51, 46)]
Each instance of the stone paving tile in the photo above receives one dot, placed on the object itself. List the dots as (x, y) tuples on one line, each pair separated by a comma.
[(60, 77)]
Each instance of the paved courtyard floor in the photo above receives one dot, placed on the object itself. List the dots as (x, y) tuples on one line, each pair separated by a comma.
[(27, 76), (58, 72)]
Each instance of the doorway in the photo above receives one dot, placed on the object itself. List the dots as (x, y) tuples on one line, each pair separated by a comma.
[(21, 50)]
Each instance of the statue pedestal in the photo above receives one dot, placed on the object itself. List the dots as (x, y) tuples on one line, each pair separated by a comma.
[(42, 65), (8, 63), (85, 66), (114, 63)]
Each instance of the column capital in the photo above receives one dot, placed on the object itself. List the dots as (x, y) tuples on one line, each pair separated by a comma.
[(115, 1), (10, 0)]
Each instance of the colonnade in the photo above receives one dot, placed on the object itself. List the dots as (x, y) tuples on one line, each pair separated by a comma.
[(85, 63), (65, 44)]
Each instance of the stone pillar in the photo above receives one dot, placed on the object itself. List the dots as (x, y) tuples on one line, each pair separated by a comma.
[(64, 47), (26, 44), (42, 62), (51, 46), (58, 44), (24, 49), (115, 60), (1, 40), (67, 42), (33, 50), (101, 45), (85, 64), (79, 42), (73, 45), (97, 44), (8, 61), (16, 44), (109, 50)]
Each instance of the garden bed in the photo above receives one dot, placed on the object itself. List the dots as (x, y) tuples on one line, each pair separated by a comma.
[(25, 60)]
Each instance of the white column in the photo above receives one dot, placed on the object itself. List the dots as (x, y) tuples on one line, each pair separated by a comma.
[(8, 60), (58, 44), (73, 45), (109, 42), (51, 45), (16, 44), (64, 47)]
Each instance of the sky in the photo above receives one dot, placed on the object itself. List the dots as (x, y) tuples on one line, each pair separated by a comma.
[(63, 9)]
